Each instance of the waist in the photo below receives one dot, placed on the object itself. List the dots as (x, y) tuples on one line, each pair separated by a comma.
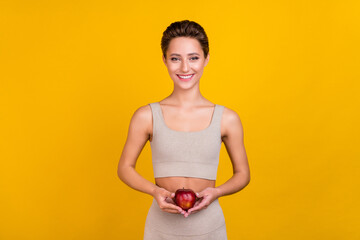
[(174, 183), (199, 223)]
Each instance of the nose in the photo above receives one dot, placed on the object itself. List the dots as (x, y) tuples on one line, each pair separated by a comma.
[(185, 66)]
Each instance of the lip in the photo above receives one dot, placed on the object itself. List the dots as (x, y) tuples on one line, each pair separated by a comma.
[(185, 80)]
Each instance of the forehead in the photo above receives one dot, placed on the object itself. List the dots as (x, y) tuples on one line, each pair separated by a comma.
[(184, 45)]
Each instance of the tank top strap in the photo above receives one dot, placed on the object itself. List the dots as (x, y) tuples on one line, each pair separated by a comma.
[(218, 112), (155, 109), (158, 126), (156, 113)]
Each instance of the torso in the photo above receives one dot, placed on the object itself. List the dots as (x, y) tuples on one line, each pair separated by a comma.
[(186, 120)]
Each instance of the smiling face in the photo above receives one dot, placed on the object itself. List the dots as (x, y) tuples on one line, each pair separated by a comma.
[(185, 61)]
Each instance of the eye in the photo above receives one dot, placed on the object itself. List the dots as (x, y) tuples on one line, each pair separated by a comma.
[(194, 58), (174, 59)]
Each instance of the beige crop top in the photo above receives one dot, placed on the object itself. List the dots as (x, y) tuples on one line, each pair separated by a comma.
[(186, 154)]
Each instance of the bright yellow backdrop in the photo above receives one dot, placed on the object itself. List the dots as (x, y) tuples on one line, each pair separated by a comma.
[(73, 72)]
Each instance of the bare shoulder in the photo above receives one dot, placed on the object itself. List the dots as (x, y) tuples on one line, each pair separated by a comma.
[(143, 112), (230, 123), (142, 119), (137, 136)]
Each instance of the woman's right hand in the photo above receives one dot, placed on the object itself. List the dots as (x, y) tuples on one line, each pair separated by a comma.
[(165, 201)]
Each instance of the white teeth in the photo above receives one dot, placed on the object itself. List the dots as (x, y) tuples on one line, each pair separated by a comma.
[(186, 77)]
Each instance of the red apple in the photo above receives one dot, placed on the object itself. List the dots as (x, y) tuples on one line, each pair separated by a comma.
[(185, 198)]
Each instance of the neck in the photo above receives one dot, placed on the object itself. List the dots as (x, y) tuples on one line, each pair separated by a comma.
[(186, 97)]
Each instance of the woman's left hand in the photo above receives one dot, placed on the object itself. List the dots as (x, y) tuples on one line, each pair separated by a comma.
[(205, 198)]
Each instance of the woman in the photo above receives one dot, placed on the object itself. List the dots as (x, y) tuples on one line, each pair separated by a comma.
[(185, 131)]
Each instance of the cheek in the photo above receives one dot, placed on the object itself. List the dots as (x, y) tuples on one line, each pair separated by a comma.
[(198, 67), (172, 67)]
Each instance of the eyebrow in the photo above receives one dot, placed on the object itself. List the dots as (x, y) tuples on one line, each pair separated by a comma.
[(175, 54)]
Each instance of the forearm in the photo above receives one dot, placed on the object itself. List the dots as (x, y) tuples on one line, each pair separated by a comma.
[(237, 182), (134, 180)]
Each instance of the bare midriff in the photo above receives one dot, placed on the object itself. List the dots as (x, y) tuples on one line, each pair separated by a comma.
[(174, 183)]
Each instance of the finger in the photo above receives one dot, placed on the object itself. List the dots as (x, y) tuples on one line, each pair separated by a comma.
[(167, 194), (201, 205), (169, 200), (169, 206), (200, 194), (188, 213), (164, 193), (171, 211), (197, 203)]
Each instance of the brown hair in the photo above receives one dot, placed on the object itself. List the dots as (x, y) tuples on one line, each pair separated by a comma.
[(185, 28)]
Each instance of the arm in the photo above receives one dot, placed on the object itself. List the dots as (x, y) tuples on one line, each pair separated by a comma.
[(138, 135), (233, 139), (234, 143)]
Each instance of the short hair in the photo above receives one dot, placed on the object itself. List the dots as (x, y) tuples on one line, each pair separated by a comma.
[(185, 28)]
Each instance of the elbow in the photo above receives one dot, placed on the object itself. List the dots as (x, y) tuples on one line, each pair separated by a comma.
[(120, 172), (248, 179), (244, 180), (124, 172), (122, 175), (246, 176)]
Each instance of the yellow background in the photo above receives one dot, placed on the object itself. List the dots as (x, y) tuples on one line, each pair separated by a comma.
[(72, 73)]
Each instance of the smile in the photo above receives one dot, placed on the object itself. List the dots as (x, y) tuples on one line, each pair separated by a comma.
[(185, 77)]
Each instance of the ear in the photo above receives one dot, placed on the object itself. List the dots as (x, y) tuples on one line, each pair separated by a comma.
[(207, 59), (164, 60)]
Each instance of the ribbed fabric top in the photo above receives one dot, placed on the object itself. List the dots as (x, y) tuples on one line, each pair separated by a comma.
[(186, 154)]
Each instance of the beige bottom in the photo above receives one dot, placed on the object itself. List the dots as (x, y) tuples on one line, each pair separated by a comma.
[(206, 224)]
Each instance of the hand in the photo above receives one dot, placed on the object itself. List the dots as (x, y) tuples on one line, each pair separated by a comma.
[(205, 198), (165, 201)]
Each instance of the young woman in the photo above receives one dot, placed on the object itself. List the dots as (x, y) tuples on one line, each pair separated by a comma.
[(185, 131)]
